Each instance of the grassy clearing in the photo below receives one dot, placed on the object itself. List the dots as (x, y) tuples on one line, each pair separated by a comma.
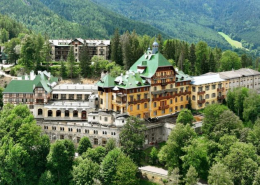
[(232, 42)]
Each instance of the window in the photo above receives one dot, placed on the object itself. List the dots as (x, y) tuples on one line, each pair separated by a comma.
[(104, 132), (138, 115), (63, 96), (78, 139), (170, 101), (154, 104), (176, 108), (163, 111), (55, 96), (138, 90), (155, 88), (113, 133), (46, 127), (138, 106), (181, 106), (187, 98), (58, 113), (61, 136), (79, 96), (86, 96), (39, 112), (181, 98), (200, 89), (78, 130), (131, 98), (138, 97), (145, 105), (49, 113), (170, 109), (207, 96), (53, 128), (176, 99), (71, 96), (213, 87), (75, 113), (131, 107), (145, 96), (31, 106), (207, 87), (213, 95), (67, 113), (155, 113), (95, 132), (105, 119), (95, 141), (61, 128), (101, 101), (86, 131), (70, 129)]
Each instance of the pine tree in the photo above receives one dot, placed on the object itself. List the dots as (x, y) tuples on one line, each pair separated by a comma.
[(71, 60), (116, 49), (181, 61), (191, 176), (257, 63), (160, 42), (192, 58), (212, 63), (204, 65), (63, 70), (84, 61)]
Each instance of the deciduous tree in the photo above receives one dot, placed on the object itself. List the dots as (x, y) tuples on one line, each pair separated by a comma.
[(84, 144)]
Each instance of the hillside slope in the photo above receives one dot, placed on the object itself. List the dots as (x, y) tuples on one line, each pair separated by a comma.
[(196, 20), (64, 19)]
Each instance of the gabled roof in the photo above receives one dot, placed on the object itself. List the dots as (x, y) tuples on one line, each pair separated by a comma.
[(106, 82), (27, 85), (131, 80), (152, 63)]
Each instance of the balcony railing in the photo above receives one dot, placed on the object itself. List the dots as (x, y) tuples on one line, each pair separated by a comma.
[(221, 89), (201, 101), (163, 107), (201, 92), (221, 97)]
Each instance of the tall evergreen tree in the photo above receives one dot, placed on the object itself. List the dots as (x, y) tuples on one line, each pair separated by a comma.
[(201, 57), (116, 49), (212, 63), (160, 42), (181, 61), (192, 58), (71, 61), (84, 61)]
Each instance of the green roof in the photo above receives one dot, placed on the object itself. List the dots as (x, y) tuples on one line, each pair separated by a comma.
[(152, 62), (182, 77), (131, 80), (27, 86), (106, 81)]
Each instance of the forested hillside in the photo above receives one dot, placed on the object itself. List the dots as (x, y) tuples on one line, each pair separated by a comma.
[(193, 21), (64, 19)]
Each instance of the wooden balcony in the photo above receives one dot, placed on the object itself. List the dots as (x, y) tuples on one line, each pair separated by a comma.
[(220, 89), (201, 101), (201, 92), (221, 97), (139, 101), (163, 107)]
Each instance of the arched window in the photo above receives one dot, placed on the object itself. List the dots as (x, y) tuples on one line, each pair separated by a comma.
[(193, 97), (182, 98), (207, 96), (49, 113), (39, 112), (58, 113), (67, 113), (75, 113)]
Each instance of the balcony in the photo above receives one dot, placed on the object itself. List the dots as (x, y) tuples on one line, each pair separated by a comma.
[(221, 97), (201, 101), (139, 101), (201, 92), (220, 89), (163, 83), (163, 107)]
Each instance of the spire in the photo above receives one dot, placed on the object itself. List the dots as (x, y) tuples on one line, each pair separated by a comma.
[(155, 47)]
